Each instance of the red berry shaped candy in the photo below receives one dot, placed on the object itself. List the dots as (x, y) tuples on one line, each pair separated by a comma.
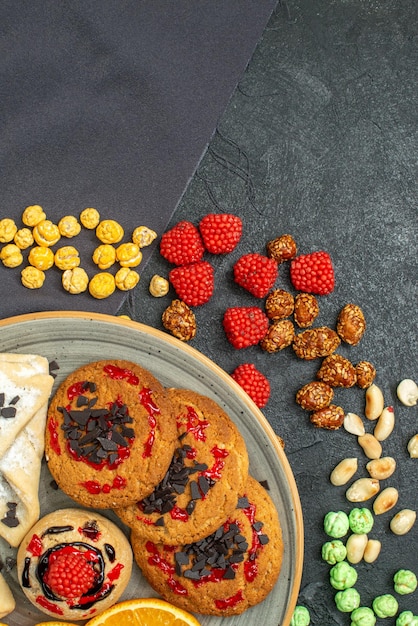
[(245, 326), (220, 232), (256, 273), (69, 574), (313, 273), (253, 382), (193, 283), (182, 244)]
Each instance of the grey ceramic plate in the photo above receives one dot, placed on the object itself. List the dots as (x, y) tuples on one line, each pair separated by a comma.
[(73, 339)]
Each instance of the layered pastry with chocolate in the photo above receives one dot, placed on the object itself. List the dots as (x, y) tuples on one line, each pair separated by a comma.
[(110, 435), (74, 564), (208, 470), (230, 570)]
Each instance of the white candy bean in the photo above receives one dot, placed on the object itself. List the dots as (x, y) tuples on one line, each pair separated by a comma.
[(407, 392), (381, 468), (374, 402), (402, 522), (372, 550), (356, 545), (385, 424), (385, 501), (342, 472), (354, 424), (362, 489), (371, 446), (413, 447)]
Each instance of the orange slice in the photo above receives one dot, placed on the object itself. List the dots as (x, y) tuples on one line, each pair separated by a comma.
[(144, 612)]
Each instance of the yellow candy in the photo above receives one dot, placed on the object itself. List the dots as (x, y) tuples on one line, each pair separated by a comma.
[(159, 286), (32, 277), (11, 255), (104, 256), (143, 236), (109, 231), (8, 230), (23, 238), (90, 218), (102, 285), (66, 258), (69, 226), (46, 233), (41, 257), (128, 254), (126, 279), (33, 214), (75, 280)]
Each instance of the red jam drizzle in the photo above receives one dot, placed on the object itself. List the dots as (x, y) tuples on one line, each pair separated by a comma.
[(193, 424), (158, 561), (145, 397), (179, 514), (251, 566), (49, 606), (228, 603), (76, 390), (35, 546), (115, 572), (215, 472), (53, 436), (90, 532), (94, 487), (121, 373)]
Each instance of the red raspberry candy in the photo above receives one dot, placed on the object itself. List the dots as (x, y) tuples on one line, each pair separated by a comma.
[(193, 283), (69, 574), (245, 326), (220, 232), (182, 244), (253, 382), (313, 273), (256, 273)]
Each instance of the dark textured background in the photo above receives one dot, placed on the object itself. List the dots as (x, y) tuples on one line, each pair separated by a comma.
[(319, 140)]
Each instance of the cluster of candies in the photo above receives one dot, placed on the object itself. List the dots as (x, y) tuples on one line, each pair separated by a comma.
[(39, 235)]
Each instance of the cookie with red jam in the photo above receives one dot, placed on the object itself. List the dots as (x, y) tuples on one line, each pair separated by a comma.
[(110, 435), (200, 489), (229, 571), (73, 564)]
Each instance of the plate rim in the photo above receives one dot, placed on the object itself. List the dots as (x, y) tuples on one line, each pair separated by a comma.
[(226, 378)]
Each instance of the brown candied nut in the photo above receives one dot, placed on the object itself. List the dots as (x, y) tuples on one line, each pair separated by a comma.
[(279, 304), (180, 320), (365, 373), (314, 396), (279, 335), (306, 309), (337, 371), (315, 342), (351, 324), (331, 417), (282, 248)]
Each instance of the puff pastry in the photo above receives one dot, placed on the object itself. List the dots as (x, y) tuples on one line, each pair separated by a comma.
[(7, 602)]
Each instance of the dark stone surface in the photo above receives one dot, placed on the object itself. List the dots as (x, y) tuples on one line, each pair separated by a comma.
[(319, 141)]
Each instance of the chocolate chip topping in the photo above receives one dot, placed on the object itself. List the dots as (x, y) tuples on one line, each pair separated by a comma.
[(8, 411), (10, 519)]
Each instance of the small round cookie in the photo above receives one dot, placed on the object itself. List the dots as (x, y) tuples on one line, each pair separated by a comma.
[(110, 435), (229, 571), (74, 564), (207, 473)]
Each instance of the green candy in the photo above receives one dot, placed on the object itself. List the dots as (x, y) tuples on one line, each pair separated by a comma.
[(407, 618), (336, 524), (300, 616), (342, 576), (363, 616), (361, 521), (385, 605), (405, 581), (334, 551), (347, 600)]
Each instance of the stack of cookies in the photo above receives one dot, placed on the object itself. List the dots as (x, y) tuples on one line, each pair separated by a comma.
[(174, 468)]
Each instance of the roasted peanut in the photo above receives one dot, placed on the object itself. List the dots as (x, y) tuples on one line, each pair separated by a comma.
[(371, 446), (314, 396), (386, 500), (351, 324), (330, 417), (407, 392), (362, 489), (345, 470), (385, 424), (374, 402), (381, 468), (366, 373), (402, 522), (372, 550), (356, 545), (413, 447), (354, 424)]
